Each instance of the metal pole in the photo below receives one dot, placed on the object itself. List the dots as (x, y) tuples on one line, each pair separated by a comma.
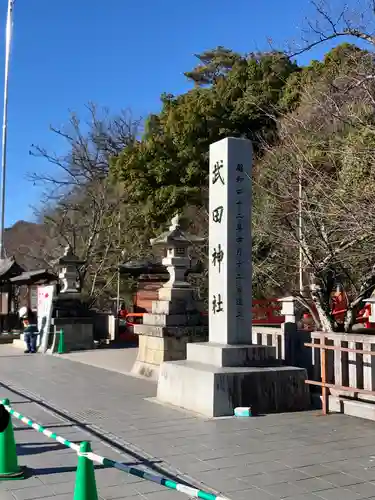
[(118, 267), (8, 40), (300, 235)]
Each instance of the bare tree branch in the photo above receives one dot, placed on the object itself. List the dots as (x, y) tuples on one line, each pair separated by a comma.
[(328, 26), (82, 207)]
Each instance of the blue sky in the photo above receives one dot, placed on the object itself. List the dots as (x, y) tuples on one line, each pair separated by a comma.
[(116, 53)]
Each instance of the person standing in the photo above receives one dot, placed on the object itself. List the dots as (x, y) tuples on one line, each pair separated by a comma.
[(30, 329)]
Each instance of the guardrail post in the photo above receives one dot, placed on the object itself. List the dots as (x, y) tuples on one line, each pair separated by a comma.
[(9, 468)]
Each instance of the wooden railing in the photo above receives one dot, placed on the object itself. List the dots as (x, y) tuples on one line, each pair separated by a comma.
[(344, 365)]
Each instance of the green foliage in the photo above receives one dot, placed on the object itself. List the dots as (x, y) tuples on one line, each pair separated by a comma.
[(255, 96), (168, 167), (315, 121), (214, 64)]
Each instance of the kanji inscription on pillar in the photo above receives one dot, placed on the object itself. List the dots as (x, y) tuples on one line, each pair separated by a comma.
[(230, 266)]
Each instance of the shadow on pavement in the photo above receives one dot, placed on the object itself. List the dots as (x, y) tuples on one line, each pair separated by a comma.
[(48, 426), (45, 471), (122, 448), (36, 448)]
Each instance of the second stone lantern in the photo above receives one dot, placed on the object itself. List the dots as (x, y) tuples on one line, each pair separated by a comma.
[(175, 319)]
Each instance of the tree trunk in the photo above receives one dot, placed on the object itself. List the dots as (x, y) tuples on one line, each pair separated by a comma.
[(318, 296), (349, 320), (325, 321)]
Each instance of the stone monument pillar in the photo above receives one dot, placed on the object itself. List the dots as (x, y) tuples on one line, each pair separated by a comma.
[(175, 319), (69, 313), (228, 371)]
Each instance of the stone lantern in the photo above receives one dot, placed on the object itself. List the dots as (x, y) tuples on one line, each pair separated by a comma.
[(175, 319), (68, 265), (176, 243), (70, 314)]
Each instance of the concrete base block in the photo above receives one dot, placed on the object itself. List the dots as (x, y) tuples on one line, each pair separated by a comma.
[(78, 334), (147, 370), (153, 351), (352, 407), (215, 392), (221, 355)]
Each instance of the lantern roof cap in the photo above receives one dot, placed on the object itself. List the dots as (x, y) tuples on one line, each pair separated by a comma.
[(175, 237)]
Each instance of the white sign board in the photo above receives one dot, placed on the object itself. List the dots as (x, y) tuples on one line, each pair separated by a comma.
[(45, 297), (230, 269)]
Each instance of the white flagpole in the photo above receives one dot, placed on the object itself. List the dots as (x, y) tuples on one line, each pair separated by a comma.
[(300, 232), (8, 41)]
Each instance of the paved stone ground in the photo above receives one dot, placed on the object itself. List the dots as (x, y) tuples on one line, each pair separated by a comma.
[(51, 467), (120, 360), (298, 456)]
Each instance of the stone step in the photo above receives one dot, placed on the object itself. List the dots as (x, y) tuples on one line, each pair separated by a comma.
[(215, 392), (232, 355)]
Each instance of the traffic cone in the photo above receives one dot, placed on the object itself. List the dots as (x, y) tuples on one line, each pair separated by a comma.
[(61, 346), (85, 488), (9, 468)]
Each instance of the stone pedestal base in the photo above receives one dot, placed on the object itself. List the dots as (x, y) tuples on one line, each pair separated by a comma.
[(222, 355), (216, 378), (174, 322), (78, 334), (215, 392), (163, 345), (69, 305)]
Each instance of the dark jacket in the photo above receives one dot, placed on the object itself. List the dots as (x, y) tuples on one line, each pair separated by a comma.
[(32, 329)]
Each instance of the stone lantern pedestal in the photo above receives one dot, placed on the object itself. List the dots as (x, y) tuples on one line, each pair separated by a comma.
[(176, 319), (69, 313)]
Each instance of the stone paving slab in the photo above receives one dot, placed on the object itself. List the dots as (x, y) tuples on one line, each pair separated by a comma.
[(51, 467), (120, 360), (298, 456)]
